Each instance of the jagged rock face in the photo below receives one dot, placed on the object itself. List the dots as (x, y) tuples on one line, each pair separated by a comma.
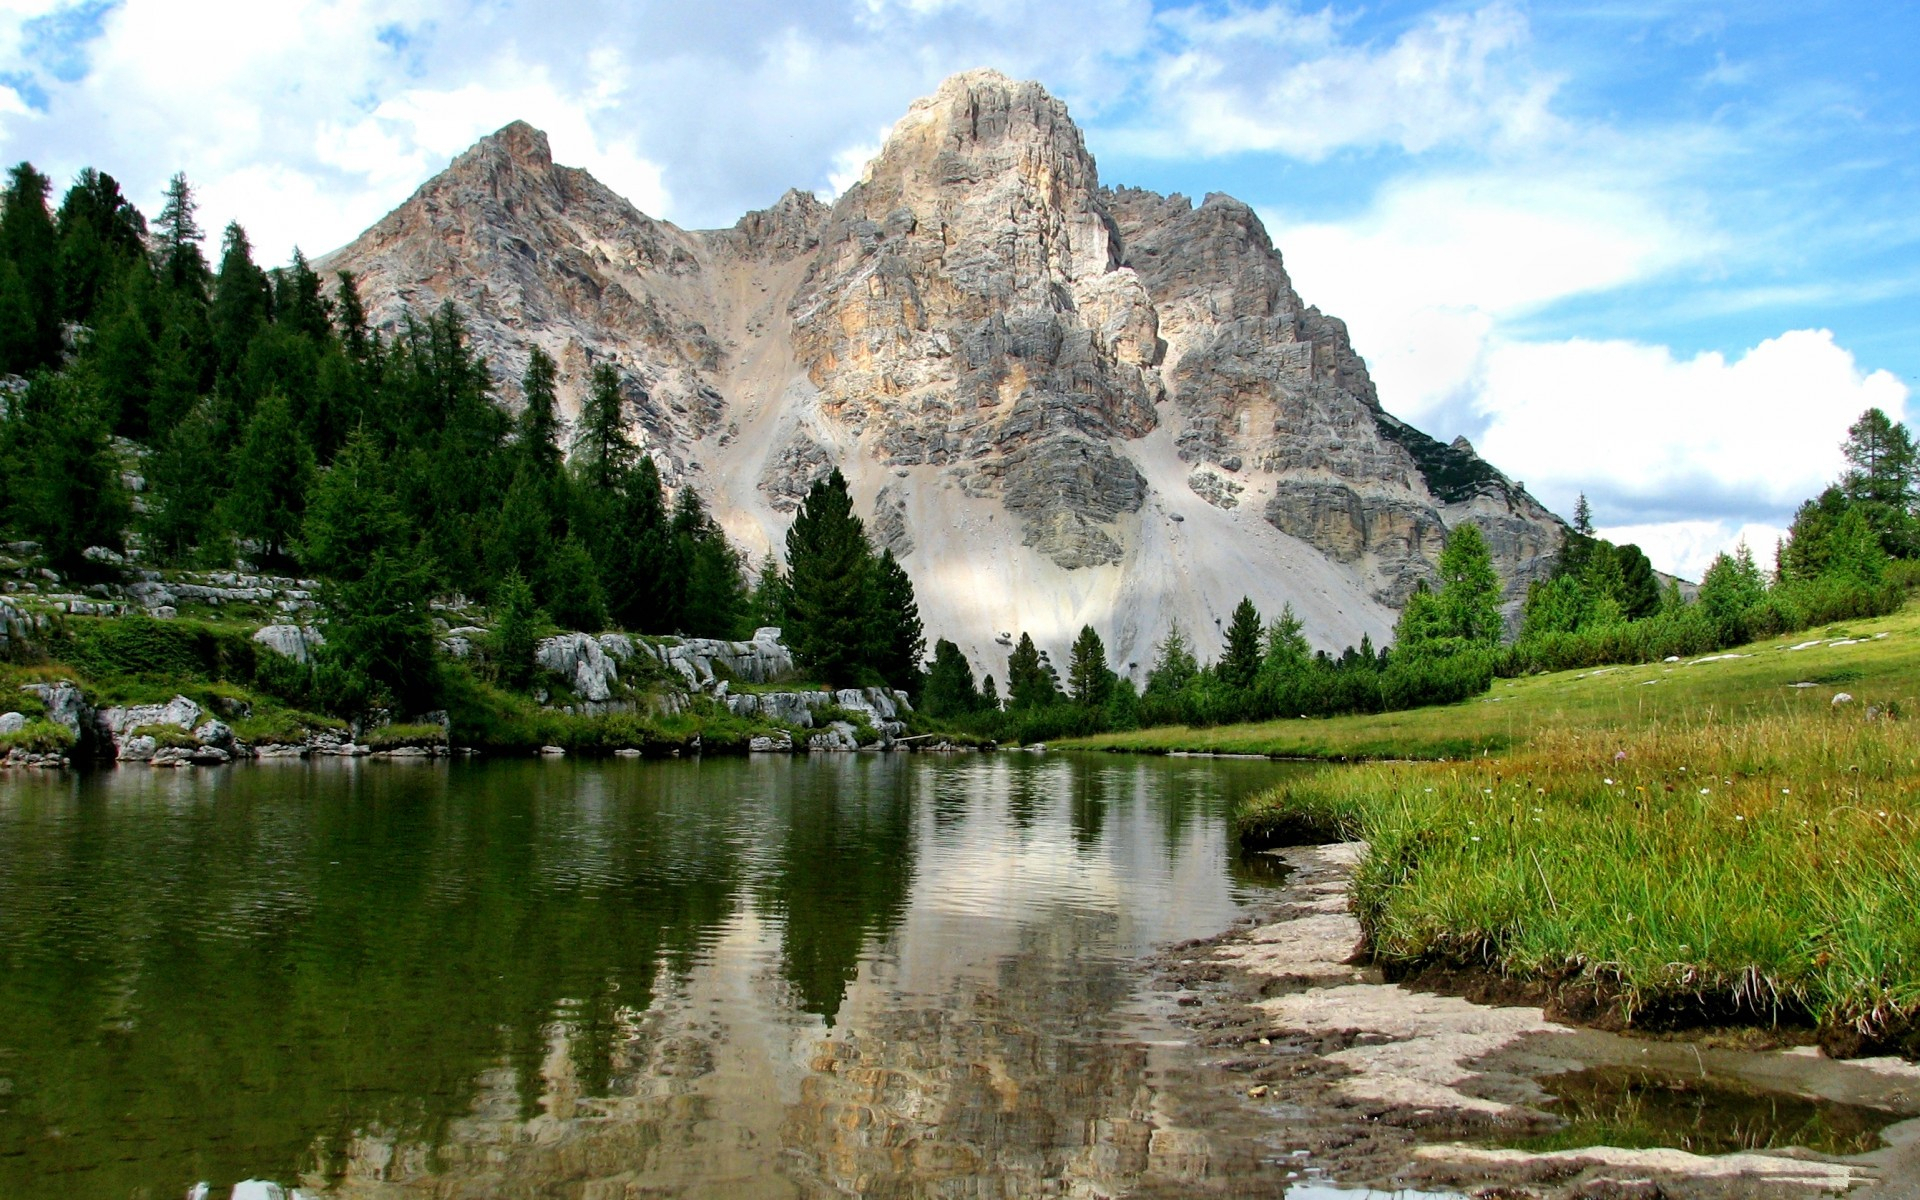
[(1061, 404)]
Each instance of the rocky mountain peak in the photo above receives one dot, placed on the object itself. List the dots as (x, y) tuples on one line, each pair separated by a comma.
[(1058, 404)]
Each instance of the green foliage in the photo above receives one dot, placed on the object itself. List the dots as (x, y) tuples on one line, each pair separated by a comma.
[(59, 480), (949, 689), (1031, 680), (1240, 656), (898, 641), (602, 448), (38, 737), (830, 567), (1090, 681), (271, 474), (515, 630), (772, 597), (29, 295)]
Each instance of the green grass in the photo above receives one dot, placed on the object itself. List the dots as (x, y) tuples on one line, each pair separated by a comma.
[(41, 737), (1625, 697), (1699, 868)]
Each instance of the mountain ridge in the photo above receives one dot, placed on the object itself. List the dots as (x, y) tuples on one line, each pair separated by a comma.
[(1058, 402)]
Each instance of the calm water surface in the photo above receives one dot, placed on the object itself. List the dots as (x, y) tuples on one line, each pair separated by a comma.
[(893, 974)]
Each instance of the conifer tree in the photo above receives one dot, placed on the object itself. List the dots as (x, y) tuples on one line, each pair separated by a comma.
[(241, 302), (101, 235), (181, 484), (1582, 517), (298, 305), (830, 566), (379, 651), (601, 444), (989, 695), (1174, 667), (30, 246), (59, 480), (570, 587), (1880, 478), (1286, 648), (271, 473), (1240, 656), (1640, 588), (899, 640), (949, 690), (176, 245), (515, 628), (771, 596), (351, 316), (538, 429), (1089, 679), (1031, 681), (1469, 588)]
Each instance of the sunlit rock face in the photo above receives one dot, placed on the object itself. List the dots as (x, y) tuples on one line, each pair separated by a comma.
[(1059, 403)]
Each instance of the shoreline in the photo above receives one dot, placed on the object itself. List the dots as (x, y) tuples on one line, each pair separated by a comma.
[(1385, 1086)]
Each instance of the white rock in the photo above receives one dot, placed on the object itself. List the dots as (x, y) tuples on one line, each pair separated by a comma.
[(12, 722), (258, 1189), (137, 749), (290, 641), (1843, 698)]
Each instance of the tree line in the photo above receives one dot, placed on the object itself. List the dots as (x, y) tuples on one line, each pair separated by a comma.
[(1851, 552), (215, 415)]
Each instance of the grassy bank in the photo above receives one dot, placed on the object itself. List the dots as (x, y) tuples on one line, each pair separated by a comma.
[(1755, 684), (1708, 869)]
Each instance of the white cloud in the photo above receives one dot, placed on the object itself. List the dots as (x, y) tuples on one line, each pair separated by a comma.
[(1701, 446), (1428, 273), (1688, 548), (1275, 79)]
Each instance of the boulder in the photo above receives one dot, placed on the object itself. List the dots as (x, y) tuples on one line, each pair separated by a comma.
[(12, 722), (216, 734), (66, 706), (583, 662), (138, 749), (838, 735), (290, 641)]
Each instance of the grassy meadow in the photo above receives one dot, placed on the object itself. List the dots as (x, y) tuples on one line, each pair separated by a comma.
[(1874, 668), (1713, 846)]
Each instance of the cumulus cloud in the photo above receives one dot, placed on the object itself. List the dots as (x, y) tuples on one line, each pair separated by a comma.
[(1435, 265), (1276, 79), (1648, 435)]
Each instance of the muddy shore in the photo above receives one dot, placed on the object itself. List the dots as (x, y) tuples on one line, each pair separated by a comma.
[(1364, 1082)]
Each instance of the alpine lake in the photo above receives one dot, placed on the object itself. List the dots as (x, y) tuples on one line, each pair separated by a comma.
[(876, 975), (759, 976)]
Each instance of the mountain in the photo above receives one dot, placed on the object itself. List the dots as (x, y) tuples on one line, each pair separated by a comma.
[(1059, 403)]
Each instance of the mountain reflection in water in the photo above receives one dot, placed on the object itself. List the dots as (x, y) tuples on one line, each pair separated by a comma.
[(902, 975)]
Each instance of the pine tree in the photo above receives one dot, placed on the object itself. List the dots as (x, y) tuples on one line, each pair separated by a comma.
[(601, 444), (28, 242), (1731, 586), (899, 640), (101, 235), (1174, 667), (1880, 479), (241, 302), (1031, 682), (949, 689), (538, 428), (989, 695), (298, 304), (1640, 590), (271, 473), (1240, 655), (771, 595), (379, 651), (1286, 648), (181, 484), (1089, 679), (1469, 588), (515, 629), (61, 481), (351, 315), (176, 244), (829, 565), (627, 531), (570, 587)]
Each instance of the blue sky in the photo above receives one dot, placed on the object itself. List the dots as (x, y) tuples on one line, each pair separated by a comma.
[(1659, 253)]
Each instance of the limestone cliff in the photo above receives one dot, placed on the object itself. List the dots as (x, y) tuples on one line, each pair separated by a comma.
[(1059, 403)]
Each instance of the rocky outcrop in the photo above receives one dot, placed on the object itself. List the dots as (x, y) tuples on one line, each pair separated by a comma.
[(1062, 403), (297, 642)]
